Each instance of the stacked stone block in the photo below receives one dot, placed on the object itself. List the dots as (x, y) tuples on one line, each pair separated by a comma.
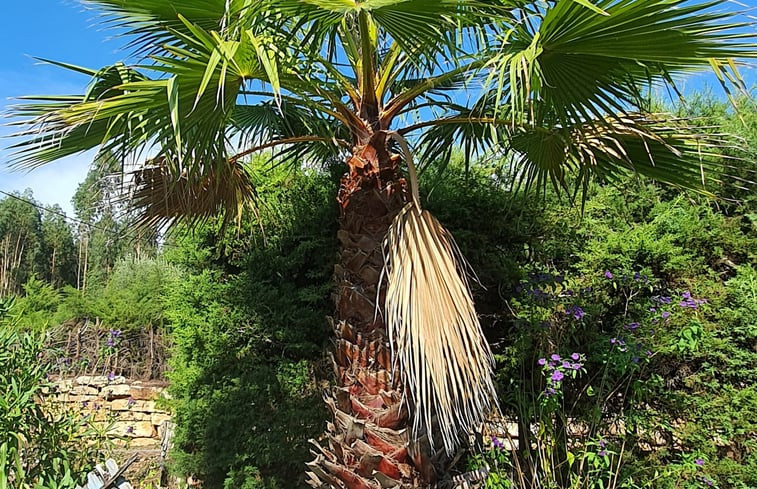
[(130, 411)]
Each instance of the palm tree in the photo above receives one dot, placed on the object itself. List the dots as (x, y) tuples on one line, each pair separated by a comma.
[(559, 87)]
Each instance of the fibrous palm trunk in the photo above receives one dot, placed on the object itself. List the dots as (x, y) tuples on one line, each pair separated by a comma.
[(366, 445)]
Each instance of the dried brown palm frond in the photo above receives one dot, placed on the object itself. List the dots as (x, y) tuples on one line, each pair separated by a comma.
[(437, 342), (163, 193)]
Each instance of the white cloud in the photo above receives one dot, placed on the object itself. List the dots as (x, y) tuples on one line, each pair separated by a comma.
[(52, 184)]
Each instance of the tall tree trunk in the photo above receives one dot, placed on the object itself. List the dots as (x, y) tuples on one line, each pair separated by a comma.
[(366, 445)]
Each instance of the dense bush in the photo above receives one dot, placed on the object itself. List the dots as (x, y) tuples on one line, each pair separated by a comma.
[(41, 447), (658, 295), (249, 330)]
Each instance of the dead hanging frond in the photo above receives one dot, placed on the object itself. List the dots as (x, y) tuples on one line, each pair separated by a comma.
[(164, 194), (437, 342)]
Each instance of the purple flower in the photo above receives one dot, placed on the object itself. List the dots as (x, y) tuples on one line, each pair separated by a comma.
[(111, 376), (542, 361), (576, 366), (665, 314), (635, 359), (557, 376), (555, 357), (84, 404), (111, 342), (608, 274), (602, 453), (129, 430), (613, 341), (602, 443), (497, 443), (707, 481), (549, 391), (663, 299), (577, 313), (566, 364), (632, 326), (130, 402), (637, 276), (699, 462), (575, 356), (686, 295), (648, 353)]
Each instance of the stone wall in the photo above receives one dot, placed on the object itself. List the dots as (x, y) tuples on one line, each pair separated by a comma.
[(130, 411)]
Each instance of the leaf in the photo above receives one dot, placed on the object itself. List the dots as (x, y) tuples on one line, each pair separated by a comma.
[(589, 5), (571, 458), (173, 107)]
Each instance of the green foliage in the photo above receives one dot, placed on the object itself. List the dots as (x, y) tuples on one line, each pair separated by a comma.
[(658, 292), (59, 248), (248, 330), (41, 447), (21, 242)]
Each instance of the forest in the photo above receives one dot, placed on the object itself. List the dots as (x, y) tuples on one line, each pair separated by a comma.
[(388, 244)]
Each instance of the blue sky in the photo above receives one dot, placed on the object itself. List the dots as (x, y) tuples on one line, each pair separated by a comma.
[(64, 30), (56, 29)]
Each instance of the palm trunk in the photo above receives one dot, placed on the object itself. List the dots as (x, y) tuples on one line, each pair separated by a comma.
[(366, 445)]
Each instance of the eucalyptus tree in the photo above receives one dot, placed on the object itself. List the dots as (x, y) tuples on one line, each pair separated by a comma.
[(558, 87), (21, 242), (60, 250)]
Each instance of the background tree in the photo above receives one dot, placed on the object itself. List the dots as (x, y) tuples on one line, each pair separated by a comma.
[(21, 242), (560, 88), (60, 250), (104, 236)]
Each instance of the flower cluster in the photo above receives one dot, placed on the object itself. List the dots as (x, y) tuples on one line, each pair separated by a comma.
[(557, 368), (114, 337), (689, 302), (497, 443), (706, 481), (602, 448), (575, 312)]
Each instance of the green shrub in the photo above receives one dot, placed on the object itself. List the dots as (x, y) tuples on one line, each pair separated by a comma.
[(41, 446), (248, 331)]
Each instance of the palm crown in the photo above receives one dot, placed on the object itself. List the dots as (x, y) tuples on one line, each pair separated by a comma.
[(561, 87)]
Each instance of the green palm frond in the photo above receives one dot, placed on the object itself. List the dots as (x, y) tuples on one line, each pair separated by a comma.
[(659, 146), (587, 65)]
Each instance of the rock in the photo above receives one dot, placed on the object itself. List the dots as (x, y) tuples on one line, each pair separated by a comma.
[(158, 418), (82, 401), (84, 390), (134, 429), (617, 428), (63, 386), (132, 405), (92, 380), (143, 442), (143, 392), (116, 391)]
